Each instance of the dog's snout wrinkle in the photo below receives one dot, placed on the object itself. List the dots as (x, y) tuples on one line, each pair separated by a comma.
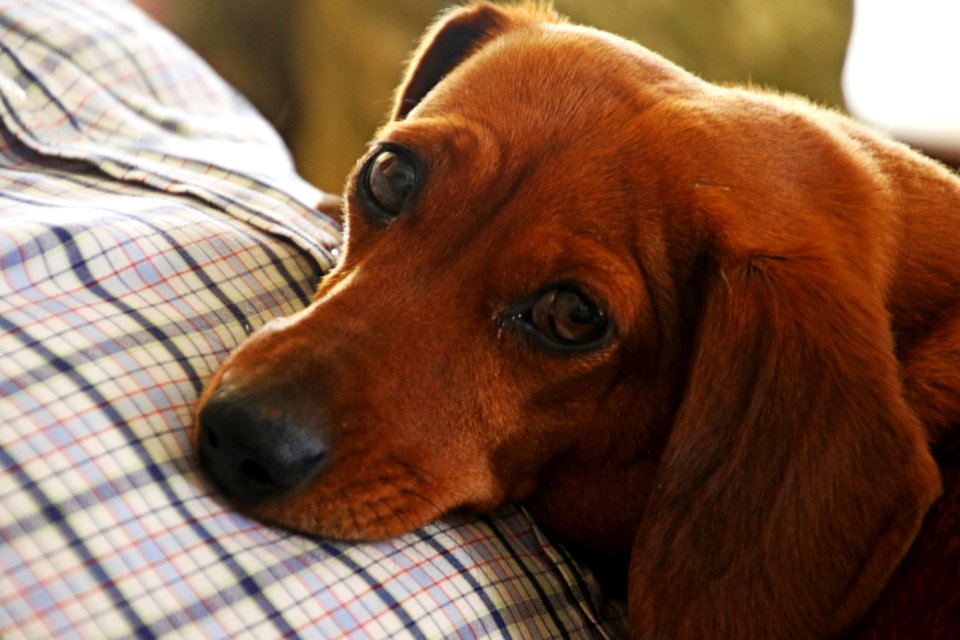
[(254, 453)]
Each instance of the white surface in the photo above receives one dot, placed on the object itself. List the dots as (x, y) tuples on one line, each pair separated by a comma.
[(902, 71)]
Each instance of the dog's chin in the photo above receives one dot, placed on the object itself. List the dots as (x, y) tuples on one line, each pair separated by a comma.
[(386, 511), (362, 521), (360, 511)]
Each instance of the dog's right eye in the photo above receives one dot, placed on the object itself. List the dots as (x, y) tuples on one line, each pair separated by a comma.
[(563, 319), (387, 180)]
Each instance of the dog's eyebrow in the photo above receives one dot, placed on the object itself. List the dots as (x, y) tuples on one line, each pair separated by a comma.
[(487, 214)]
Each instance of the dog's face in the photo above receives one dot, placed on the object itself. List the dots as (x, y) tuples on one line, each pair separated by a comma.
[(653, 309), (491, 288)]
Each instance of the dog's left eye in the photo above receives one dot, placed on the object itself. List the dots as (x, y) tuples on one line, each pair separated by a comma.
[(563, 318), (388, 179)]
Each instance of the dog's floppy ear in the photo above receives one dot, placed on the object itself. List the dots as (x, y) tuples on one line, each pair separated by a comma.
[(795, 477), (455, 35)]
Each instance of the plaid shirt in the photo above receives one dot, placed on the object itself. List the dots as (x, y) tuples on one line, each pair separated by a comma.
[(149, 221)]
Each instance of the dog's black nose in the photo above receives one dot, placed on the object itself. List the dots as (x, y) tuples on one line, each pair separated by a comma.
[(254, 454)]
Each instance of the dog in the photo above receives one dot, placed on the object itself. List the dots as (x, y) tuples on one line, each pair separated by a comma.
[(710, 335)]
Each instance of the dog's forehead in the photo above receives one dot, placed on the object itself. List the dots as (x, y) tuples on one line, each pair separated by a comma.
[(561, 75), (523, 147)]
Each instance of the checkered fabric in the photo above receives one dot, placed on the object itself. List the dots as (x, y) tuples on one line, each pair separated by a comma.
[(149, 221)]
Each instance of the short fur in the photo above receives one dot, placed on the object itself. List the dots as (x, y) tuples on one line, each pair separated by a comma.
[(768, 429)]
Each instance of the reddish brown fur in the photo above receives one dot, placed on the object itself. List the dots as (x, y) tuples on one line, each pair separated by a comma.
[(784, 285)]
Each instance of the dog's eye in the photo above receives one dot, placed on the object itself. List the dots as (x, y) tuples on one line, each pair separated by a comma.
[(388, 179), (562, 318), (567, 316)]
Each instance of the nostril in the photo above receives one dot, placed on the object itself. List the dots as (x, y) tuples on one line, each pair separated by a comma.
[(254, 471), (255, 452)]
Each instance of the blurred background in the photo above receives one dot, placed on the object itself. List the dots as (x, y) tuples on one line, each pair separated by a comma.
[(323, 71)]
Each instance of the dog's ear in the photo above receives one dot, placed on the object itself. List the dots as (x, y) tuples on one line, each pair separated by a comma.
[(456, 35), (795, 477)]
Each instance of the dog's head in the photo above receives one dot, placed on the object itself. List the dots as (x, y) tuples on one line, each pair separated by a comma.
[(578, 276), (503, 300)]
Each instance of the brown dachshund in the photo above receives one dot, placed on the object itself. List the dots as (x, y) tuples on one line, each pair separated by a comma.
[(712, 329)]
